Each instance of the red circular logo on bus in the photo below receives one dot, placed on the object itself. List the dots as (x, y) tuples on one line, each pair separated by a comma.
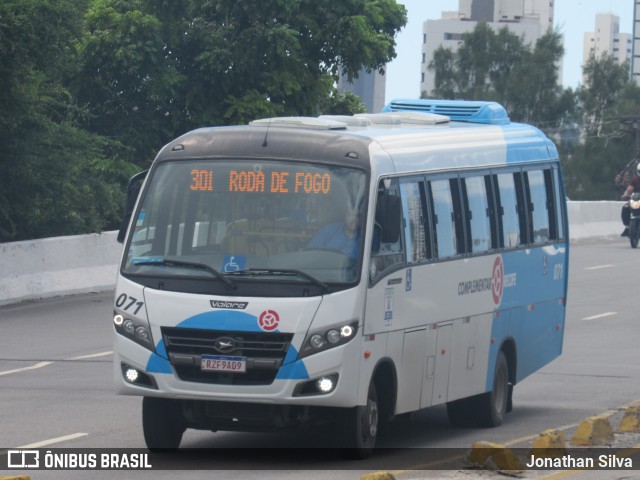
[(497, 280), (269, 320)]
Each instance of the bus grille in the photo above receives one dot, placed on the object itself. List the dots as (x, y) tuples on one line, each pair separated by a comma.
[(264, 352)]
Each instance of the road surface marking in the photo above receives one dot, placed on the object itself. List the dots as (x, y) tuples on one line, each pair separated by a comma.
[(601, 315), (52, 441), (45, 364), (599, 267), (24, 369), (93, 355)]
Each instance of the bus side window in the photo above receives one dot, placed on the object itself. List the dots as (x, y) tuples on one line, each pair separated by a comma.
[(539, 206), (559, 204), (478, 213), (414, 209), (508, 211), (386, 248), (446, 217)]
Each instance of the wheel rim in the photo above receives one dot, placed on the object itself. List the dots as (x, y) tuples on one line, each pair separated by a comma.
[(370, 421), (372, 407)]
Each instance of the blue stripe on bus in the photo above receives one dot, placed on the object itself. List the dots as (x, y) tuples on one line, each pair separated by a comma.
[(157, 364), (526, 313), (229, 320), (293, 371)]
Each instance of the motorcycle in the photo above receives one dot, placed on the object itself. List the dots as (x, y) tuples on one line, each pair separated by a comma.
[(634, 220)]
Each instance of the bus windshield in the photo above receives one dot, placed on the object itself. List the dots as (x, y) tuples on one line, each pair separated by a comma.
[(260, 220)]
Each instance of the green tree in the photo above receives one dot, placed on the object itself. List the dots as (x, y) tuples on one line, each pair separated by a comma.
[(606, 98), (55, 178), (499, 66), (533, 93), (605, 80), (155, 68)]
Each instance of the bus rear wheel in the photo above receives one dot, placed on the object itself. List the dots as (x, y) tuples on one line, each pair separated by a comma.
[(162, 424), (487, 409), (492, 406)]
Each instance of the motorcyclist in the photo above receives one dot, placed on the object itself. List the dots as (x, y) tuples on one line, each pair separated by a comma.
[(634, 186)]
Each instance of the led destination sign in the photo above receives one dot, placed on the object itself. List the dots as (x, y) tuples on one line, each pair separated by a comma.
[(260, 182)]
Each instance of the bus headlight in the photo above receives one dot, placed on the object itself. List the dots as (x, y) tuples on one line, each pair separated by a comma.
[(133, 329), (327, 337)]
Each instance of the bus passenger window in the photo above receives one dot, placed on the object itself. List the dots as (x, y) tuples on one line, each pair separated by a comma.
[(559, 205), (538, 206), (478, 214), (447, 230), (415, 233), (508, 209)]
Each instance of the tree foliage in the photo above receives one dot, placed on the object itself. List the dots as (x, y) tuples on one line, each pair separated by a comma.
[(175, 66), (91, 89), (499, 66), (55, 177), (605, 101), (588, 124)]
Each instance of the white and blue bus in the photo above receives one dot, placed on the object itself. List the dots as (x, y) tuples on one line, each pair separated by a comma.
[(341, 270)]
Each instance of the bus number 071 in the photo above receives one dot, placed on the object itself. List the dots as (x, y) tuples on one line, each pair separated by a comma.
[(124, 298)]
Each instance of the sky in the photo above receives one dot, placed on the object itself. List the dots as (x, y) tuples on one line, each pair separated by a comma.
[(572, 17)]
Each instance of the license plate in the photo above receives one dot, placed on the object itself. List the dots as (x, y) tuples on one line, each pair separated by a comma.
[(220, 363)]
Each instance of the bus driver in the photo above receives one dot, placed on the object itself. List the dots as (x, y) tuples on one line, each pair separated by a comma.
[(342, 236)]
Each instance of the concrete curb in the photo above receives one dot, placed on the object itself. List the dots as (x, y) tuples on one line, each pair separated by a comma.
[(630, 422), (593, 431), (376, 476), (493, 456), (549, 444)]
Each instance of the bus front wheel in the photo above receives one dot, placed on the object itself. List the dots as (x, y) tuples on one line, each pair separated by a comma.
[(162, 423), (360, 426)]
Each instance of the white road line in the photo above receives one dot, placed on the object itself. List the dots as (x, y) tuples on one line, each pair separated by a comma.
[(599, 267), (601, 315), (24, 369), (52, 441), (44, 364), (93, 355)]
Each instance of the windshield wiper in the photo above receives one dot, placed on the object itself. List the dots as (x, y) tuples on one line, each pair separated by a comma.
[(164, 262), (282, 271)]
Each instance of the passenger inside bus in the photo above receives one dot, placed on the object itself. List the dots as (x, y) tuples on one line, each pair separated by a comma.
[(342, 236)]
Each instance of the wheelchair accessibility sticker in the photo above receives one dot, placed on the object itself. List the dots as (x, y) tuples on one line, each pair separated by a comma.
[(233, 263)]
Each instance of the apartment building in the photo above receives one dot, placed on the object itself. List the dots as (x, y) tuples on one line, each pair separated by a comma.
[(529, 19), (607, 39)]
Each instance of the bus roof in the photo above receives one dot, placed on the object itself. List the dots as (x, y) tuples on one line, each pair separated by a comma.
[(416, 134)]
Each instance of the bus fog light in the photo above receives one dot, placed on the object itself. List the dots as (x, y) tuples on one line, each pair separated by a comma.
[(317, 386), (325, 384), (129, 327), (138, 378), (132, 375)]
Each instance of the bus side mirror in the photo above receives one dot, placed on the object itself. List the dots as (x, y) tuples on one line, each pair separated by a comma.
[(389, 216), (133, 189)]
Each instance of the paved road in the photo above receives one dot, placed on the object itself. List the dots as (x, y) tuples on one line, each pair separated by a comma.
[(56, 384)]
